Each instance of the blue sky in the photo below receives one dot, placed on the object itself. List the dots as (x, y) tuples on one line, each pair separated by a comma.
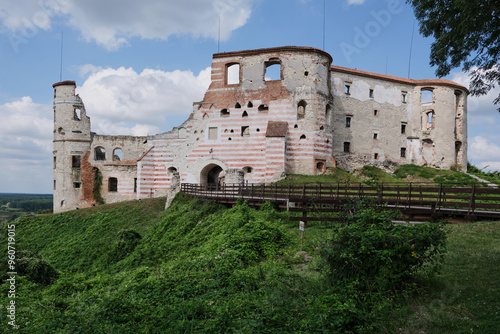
[(139, 65)]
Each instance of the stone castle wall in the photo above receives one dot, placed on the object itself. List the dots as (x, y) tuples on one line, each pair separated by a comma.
[(266, 113)]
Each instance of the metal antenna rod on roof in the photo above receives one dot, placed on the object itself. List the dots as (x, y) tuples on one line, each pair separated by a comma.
[(324, 23), (411, 47), (60, 68)]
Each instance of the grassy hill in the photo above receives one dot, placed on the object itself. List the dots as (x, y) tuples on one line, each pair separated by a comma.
[(133, 267)]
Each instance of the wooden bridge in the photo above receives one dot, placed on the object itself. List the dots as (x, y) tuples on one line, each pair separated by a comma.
[(416, 201)]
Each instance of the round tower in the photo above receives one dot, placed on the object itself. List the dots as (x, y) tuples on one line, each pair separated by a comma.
[(71, 146)]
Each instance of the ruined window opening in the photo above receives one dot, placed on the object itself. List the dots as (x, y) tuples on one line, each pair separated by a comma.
[(75, 161), (245, 131), (426, 95), (76, 131), (403, 152), (306, 73), (77, 114), (370, 94), (171, 171), (320, 167), (229, 138), (245, 114), (375, 135), (233, 74), (430, 117), (232, 131), (272, 70), (54, 184), (375, 156), (302, 137), (61, 131), (301, 109), (117, 154), (375, 112), (135, 184), (403, 97), (295, 126), (76, 185), (328, 114), (322, 127), (112, 184), (63, 203), (263, 108), (403, 128), (347, 89), (250, 104), (258, 130), (224, 112), (348, 122), (247, 170), (347, 147), (99, 153), (55, 161), (212, 133), (237, 105)]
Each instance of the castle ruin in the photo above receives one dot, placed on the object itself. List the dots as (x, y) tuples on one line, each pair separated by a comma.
[(267, 113)]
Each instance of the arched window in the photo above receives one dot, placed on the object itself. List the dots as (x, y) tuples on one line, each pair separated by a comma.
[(99, 153), (272, 70), (117, 154), (233, 74), (301, 109), (224, 112)]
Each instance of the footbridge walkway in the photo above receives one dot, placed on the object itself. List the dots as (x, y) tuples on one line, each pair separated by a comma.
[(415, 200)]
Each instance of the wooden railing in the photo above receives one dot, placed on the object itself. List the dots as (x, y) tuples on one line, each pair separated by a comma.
[(470, 200)]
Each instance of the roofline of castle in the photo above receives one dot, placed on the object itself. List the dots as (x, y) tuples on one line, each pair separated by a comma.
[(64, 83), (272, 50), (413, 82)]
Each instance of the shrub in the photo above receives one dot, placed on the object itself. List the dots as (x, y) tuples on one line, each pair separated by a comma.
[(369, 248), (35, 268)]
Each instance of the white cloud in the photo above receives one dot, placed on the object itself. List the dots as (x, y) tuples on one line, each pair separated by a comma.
[(122, 101), (25, 153), (482, 149), (111, 24), (478, 105), (355, 2)]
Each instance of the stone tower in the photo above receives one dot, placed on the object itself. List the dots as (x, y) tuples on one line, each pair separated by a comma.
[(71, 146)]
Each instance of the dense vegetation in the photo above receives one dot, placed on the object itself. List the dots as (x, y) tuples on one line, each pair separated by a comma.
[(200, 267), (493, 177), (13, 206)]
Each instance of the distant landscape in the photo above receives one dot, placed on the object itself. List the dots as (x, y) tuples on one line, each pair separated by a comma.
[(13, 206)]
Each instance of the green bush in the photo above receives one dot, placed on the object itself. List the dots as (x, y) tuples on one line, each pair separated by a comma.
[(372, 250), (35, 268)]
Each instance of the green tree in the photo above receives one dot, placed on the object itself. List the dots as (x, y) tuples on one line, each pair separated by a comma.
[(467, 34)]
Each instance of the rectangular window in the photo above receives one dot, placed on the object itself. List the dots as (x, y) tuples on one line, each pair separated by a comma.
[(375, 156), (212, 133), (112, 184), (76, 185), (375, 112), (54, 161), (371, 94), (348, 122), (347, 89), (403, 152), (347, 147), (135, 184), (375, 136), (403, 97), (403, 128), (54, 184), (75, 161)]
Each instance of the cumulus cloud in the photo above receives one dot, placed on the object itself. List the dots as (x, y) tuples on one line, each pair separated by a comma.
[(122, 101), (111, 24), (25, 153), (478, 105), (482, 149)]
